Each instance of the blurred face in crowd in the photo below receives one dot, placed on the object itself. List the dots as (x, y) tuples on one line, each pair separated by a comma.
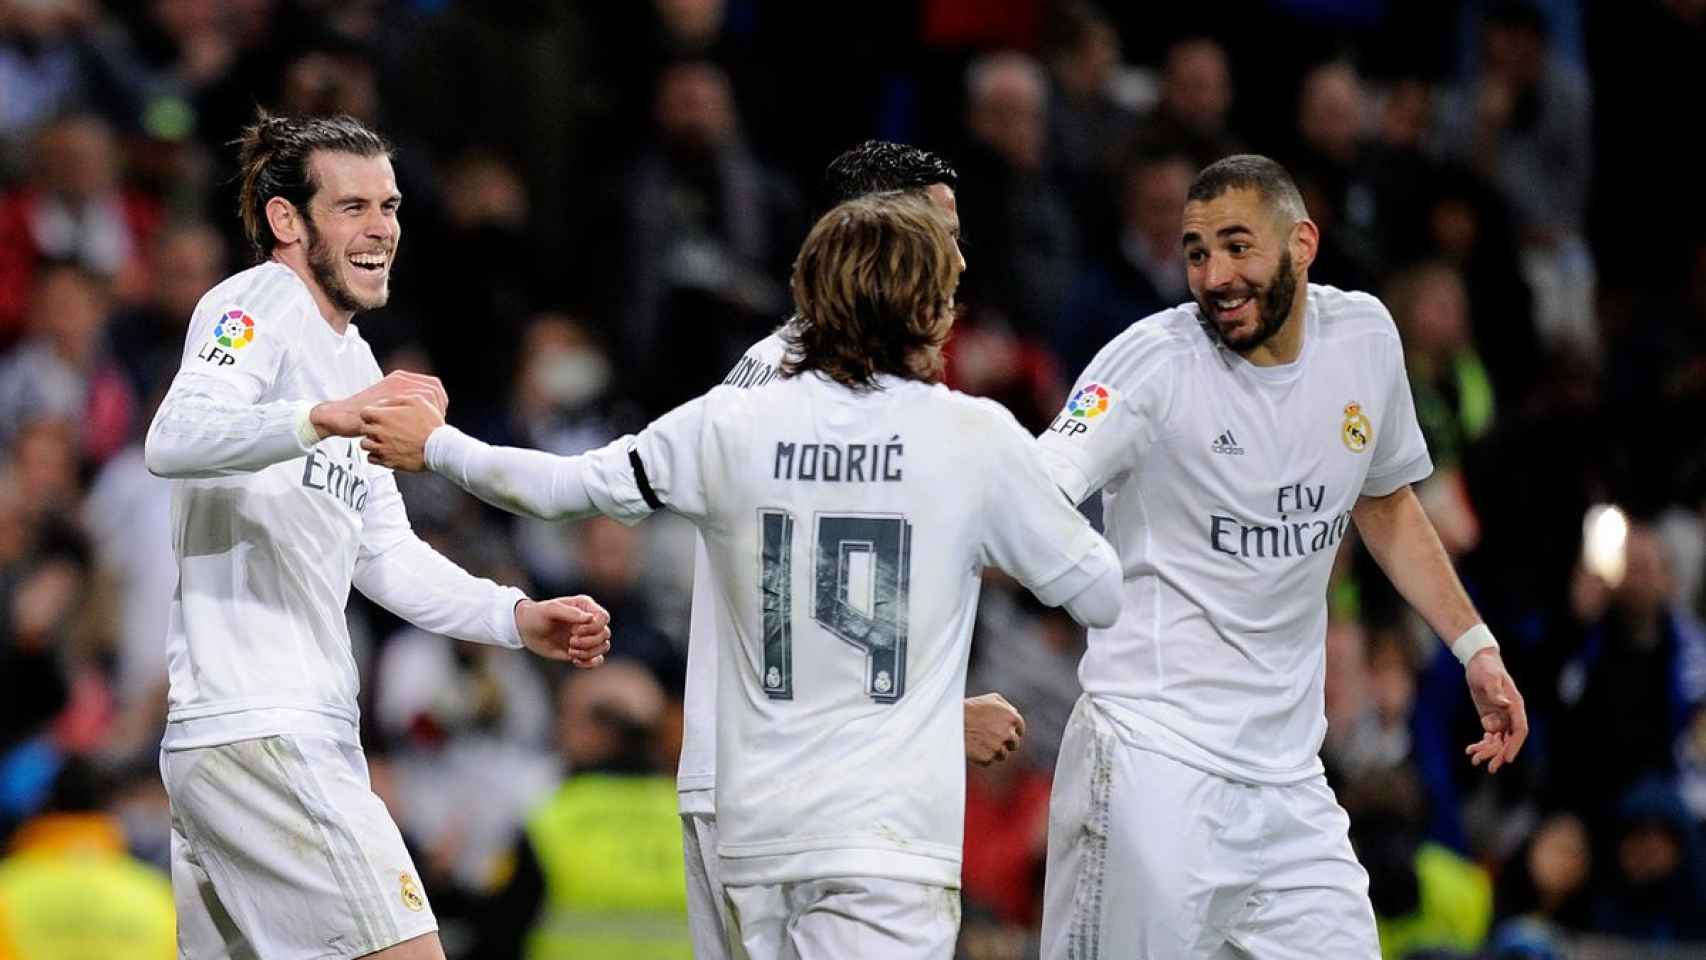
[(1009, 110), (1196, 86), (1515, 53), (609, 555), (1649, 854), (1437, 320), (594, 704), (77, 158), (352, 228), (69, 308), (1559, 859), (562, 368), (691, 21), (188, 262), (1405, 114), (1245, 263), (325, 83), (1085, 70), (1154, 195), (695, 107), (1647, 580), (1330, 110)]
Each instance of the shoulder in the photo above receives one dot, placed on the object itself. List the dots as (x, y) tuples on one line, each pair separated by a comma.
[(1149, 345), (772, 347), (1346, 314), (977, 419), (268, 299), (761, 362)]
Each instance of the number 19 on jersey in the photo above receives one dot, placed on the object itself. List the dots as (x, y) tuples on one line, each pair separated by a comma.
[(860, 574)]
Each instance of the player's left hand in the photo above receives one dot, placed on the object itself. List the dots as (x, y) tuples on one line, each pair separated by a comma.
[(1504, 719), (394, 432), (575, 629), (993, 729)]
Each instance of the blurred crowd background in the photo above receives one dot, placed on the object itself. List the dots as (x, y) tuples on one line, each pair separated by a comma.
[(602, 203)]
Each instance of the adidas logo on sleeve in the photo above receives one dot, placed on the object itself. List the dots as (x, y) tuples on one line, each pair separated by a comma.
[(1228, 444)]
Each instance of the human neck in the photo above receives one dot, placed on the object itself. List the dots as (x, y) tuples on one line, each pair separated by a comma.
[(335, 318)]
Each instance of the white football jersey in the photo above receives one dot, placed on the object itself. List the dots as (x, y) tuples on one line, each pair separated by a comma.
[(696, 775), (269, 540), (1227, 488), (846, 535)]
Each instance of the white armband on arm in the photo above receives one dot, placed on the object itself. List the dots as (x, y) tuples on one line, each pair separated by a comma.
[(528, 482), (204, 428)]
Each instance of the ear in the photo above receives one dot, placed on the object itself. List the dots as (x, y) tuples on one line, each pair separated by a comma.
[(1305, 244), (285, 221)]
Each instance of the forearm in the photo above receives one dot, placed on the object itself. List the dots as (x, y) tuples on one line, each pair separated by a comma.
[(418, 584), (1402, 540), (201, 431), (528, 482)]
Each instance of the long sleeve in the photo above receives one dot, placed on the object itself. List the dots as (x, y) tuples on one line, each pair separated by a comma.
[(528, 482), (212, 422), (401, 573), (206, 427)]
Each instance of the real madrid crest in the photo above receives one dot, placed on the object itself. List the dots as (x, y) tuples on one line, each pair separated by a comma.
[(1356, 431), (411, 893)]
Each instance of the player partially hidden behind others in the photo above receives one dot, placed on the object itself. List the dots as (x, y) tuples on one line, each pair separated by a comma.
[(848, 509), (280, 849)]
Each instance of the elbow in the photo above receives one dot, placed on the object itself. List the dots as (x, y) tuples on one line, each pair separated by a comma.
[(1100, 608), (160, 458), (167, 459)]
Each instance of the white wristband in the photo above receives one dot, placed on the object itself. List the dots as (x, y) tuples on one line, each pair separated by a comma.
[(306, 433), (1473, 641)]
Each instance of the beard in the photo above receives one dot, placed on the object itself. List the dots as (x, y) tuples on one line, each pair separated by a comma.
[(323, 264), (1273, 309)]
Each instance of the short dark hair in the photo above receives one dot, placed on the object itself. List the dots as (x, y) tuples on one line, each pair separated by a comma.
[(878, 166), (1249, 171), (873, 292), (272, 157)]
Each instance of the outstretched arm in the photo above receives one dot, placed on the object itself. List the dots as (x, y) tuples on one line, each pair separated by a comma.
[(1405, 545), (409, 434)]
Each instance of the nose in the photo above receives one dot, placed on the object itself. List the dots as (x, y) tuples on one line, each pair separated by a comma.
[(1216, 273), (381, 225)]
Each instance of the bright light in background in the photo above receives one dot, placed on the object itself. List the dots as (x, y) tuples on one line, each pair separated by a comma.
[(1605, 534)]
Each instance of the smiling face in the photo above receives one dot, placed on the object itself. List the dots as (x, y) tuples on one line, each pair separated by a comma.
[(1244, 262), (352, 230)]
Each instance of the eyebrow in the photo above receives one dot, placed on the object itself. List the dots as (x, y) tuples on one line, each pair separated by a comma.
[(353, 198), (1237, 228)]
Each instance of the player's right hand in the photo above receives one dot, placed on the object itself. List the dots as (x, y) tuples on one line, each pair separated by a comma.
[(394, 432), (342, 418), (993, 729)]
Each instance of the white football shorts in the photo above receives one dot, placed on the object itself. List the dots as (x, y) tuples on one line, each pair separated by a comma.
[(1151, 858), (843, 917), (280, 849)]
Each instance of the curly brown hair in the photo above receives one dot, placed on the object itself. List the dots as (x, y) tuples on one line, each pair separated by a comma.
[(873, 292)]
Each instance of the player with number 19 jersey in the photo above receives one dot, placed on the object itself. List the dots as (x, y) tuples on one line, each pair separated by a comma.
[(846, 533)]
